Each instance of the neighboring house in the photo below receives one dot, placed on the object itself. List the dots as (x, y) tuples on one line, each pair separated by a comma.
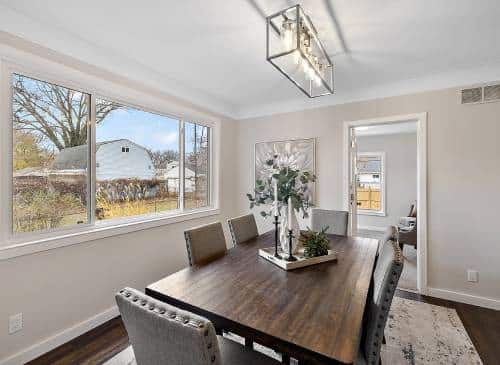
[(118, 159), (172, 173)]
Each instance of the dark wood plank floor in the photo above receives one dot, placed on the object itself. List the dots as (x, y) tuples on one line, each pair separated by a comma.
[(100, 344)]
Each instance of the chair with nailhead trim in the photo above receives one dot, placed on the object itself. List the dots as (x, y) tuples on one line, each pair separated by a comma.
[(163, 334), (205, 243), (391, 233), (242, 228), (384, 282)]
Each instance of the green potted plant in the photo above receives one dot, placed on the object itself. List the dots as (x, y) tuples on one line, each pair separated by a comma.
[(314, 243)]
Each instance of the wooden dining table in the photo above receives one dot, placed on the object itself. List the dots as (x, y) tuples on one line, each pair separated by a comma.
[(313, 314)]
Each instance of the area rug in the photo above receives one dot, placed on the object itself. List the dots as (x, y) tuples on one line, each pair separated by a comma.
[(416, 333)]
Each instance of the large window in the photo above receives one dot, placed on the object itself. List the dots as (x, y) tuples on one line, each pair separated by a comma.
[(370, 183), (65, 175), (49, 156), (137, 162), (196, 166)]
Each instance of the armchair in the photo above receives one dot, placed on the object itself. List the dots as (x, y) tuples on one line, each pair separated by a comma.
[(407, 229)]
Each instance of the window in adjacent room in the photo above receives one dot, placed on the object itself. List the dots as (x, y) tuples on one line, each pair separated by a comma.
[(370, 183)]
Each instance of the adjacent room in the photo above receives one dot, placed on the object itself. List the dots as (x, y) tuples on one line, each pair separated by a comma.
[(249, 182)]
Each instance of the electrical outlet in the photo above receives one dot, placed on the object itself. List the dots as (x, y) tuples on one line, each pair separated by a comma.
[(15, 323), (472, 276)]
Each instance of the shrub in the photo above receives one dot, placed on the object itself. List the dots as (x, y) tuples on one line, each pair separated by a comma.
[(40, 210)]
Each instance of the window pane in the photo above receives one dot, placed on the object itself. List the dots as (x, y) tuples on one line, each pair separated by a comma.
[(137, 162), (196, 166), (50, 155), (369, 184)]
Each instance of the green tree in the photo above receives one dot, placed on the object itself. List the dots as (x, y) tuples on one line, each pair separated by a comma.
[(28, 151)]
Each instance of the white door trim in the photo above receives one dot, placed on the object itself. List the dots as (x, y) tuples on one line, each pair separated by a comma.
[(421, 119)]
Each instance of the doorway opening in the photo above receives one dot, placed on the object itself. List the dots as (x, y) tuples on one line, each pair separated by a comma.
[(385, 184)]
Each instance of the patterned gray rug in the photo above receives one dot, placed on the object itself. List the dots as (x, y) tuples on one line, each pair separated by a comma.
[(417, 333)]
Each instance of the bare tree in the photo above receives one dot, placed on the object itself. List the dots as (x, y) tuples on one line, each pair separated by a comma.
[(162, 158), (54, 112)]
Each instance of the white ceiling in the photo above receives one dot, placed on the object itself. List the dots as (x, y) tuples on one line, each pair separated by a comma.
[(384, 129), (213, 52)]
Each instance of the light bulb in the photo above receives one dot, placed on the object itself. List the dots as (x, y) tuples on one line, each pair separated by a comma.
[(297, 57), (317, 80), (287, 34)]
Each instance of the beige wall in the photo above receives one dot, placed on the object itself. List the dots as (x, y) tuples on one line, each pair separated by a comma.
[(463, 176), (400, 176)]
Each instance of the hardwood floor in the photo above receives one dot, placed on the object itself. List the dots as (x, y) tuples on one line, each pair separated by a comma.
[(93, 347), (100, 344)]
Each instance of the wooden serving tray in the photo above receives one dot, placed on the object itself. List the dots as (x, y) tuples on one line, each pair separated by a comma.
[(268, 254)]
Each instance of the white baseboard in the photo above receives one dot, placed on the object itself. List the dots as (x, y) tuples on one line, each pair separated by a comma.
[(464, 298), (60, 338), (373, 228)]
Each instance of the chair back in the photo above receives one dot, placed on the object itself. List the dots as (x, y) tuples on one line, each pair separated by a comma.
[(385, 280), (205, 243), (336, 220), (243, 228), (390, 234), (163, 334)]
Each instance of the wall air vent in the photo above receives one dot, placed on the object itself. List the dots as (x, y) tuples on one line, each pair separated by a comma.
[(472, 96), (492, 93), (480, 94)]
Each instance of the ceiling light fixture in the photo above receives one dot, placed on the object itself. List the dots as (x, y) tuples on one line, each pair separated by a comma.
[(293, 47)]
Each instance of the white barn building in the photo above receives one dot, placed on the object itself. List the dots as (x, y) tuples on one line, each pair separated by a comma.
[(117, 159)]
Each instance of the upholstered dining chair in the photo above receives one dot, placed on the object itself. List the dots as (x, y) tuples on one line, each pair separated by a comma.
[(163, 334), (384, 282), (205, 243), (390, 234), (242, 228), (336, 220)]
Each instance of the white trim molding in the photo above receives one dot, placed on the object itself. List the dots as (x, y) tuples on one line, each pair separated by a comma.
[(464, 298), (421, 119), (60, 338)]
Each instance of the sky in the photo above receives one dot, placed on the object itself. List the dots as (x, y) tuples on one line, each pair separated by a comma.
[(152, 131)]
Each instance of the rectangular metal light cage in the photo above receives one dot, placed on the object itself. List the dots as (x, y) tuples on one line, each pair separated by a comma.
[(309, 68)]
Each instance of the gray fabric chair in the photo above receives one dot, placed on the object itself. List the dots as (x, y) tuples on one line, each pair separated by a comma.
[(385, 280), (205, 243), (390, 234), (336, 220), (163, 334), (242, 228)]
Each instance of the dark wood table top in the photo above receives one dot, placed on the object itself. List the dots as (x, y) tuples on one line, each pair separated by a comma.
[(313, 314)]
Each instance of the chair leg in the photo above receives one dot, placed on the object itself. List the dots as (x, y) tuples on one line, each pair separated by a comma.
[(248, 343), (285, 359)]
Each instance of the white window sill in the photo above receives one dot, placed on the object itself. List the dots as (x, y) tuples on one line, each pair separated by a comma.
[(371, 212), (98, 231)]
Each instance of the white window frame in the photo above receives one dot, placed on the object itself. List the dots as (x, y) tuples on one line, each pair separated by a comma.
[(16, 244), (382, 211)]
